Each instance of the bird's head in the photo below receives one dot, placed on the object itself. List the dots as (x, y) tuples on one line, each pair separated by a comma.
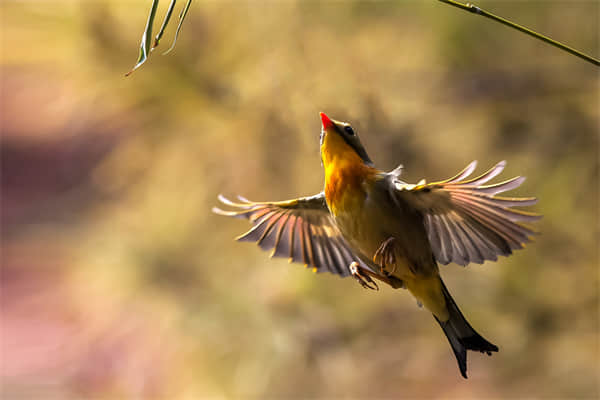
[(340, 141)]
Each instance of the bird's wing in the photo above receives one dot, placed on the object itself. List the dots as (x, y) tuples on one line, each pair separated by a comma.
[(300, 229), (465, 220)]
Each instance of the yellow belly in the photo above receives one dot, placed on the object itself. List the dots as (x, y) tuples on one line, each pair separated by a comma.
[(428, 291), (366, 220)]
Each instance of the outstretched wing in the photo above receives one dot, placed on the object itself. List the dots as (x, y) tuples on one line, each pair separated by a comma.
[(465, 220), (301, 230)]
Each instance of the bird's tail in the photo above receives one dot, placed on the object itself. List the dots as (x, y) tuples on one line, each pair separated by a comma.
[(461, 335)]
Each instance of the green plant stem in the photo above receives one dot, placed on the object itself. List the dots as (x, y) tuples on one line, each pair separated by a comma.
[(164, 24), (476, 10), (146, 38), (181, 18)]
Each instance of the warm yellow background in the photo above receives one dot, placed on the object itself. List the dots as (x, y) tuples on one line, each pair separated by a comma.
[(118, 282)]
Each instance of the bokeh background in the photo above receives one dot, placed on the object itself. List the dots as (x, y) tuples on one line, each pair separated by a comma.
[(118, 281)]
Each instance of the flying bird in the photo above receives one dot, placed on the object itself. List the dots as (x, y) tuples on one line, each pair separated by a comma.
[(371, 225)]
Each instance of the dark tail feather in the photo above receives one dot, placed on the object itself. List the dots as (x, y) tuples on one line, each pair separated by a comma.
[(461, 335)]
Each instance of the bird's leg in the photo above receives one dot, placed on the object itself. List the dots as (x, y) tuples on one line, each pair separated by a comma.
[(362, 276), (385, 253)]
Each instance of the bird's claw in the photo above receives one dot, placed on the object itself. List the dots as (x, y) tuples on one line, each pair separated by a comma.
[(386, 256), (364, 280)]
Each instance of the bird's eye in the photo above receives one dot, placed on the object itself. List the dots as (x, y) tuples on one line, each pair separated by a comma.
[(349, 130)]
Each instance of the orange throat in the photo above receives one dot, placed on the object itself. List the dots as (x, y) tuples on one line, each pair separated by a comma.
[(345, 175), (344, 187)]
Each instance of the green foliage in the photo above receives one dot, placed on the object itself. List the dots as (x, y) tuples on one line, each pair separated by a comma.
[(146, 45)]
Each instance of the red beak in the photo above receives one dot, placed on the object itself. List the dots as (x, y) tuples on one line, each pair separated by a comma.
[(325, 121)]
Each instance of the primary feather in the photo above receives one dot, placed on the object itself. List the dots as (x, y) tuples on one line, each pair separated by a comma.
[(465, 220), (300, 229)]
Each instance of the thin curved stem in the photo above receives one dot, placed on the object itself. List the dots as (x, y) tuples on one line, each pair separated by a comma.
[(476, 10)]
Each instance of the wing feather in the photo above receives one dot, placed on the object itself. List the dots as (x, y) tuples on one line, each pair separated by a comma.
[(444, 252), (461, 256), (462, 174), (297, 250), (327, 248), (473, 253), (308, 245), (301, 230), (257, 231), (465, 220), (282, 243), (267, 239), (487, 176), (342, 261), (505, 186), (485, 243)]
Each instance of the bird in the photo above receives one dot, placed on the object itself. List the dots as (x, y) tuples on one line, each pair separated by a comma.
[(371, 225)]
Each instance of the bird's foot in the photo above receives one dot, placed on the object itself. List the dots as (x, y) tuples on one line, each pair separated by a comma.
[(386, 256), (363, 278)]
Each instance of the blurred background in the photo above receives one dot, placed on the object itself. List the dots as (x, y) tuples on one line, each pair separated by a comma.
[(118, 281)]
